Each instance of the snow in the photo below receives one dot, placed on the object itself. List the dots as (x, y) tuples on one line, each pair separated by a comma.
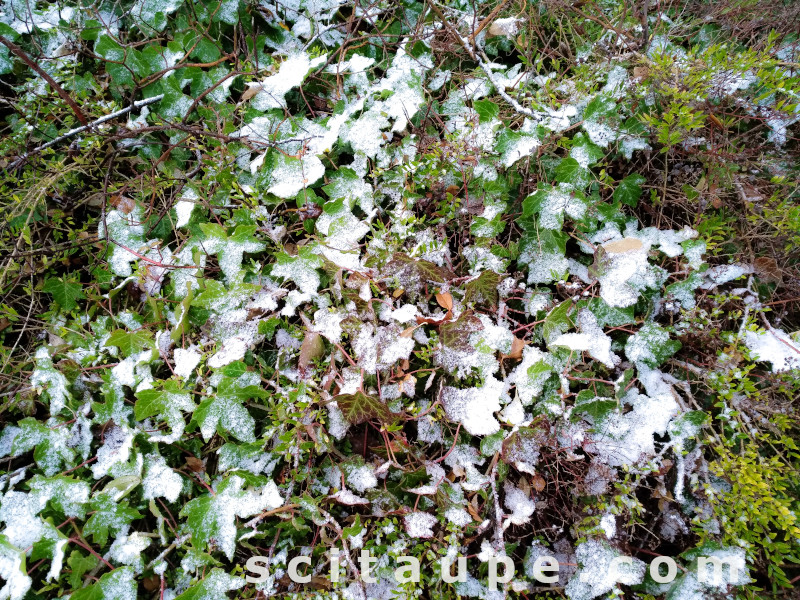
[(608, 523), (46, 377), (597, 576), (185, 361), (458, 516), (519, 503), (160, 480), (291, 73), (592, 339), (774, 346), (12, 570), (127, 549), (361, 478), (623, 269), (419, 525), (115, 449), (475, 407)]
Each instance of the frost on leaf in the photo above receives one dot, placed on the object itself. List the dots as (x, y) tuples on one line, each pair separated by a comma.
[(46, 377), (168, 401), (774, 346), (160, 481), (223, 410), (291, 73), (591, 339), (214, 586), (475, 407), (596, 576), (419, 525), (211, 518), (230, 248), (119, 584)]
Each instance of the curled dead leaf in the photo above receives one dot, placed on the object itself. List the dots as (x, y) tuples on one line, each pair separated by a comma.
[(516, 349), (538, 483), (195, 464), (627, 244), (445, 300)]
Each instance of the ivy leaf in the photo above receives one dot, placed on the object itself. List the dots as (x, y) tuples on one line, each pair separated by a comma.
[(131, 342), (51, 450), (414, 274), (359, 408), (213, 586), (651, 345), (65, 494), (167, 400), (108, 515), (302, 269), (79, 565), (483, 289), (213, 516), (551, 204), (455, 335), (486, 109), (116, 585), (65, 292), (629, 190), (223, 411), (230, 249), (571, 172), (557, 321), (609, 316)]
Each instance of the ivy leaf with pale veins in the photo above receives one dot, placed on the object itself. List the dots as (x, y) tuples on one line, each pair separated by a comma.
[(359, 407), (414, 274), (130, 342), (483, 289), (66, 293)]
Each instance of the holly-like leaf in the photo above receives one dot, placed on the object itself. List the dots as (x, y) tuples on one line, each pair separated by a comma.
[(65, 292), (359, 407), (131, 342), (629, 190), (119, 584), (483, 289)]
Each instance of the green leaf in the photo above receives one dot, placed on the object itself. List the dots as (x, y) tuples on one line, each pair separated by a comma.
[(557, 321), (597, 409), (359, 408), (651, 345), (51, 451), (486, 109), (65, 494), (79, 565), (167, 400), (66, 293), (14, 571), (213, 586), (571, 172), (230, 249), (483, 289), (119, 584), (131, 342), (629, 190), (608, 316), (223, 411), (108, 515), (213, 516)]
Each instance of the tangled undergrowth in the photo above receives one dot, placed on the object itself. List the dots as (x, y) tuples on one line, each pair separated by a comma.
[(419, 278)]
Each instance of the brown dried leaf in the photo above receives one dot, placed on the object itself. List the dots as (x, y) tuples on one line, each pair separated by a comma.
[(252, 89), (538, 482), (516, 349), (627, 244), (312, 348), (445, 301), (195, 464)]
